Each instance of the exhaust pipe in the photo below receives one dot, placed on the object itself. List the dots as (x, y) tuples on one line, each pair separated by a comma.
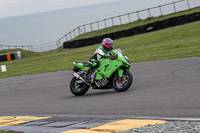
[(79, 77)]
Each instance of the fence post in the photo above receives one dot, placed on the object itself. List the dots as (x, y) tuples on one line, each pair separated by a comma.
[(138, 15), (149, 12), (84, 29), (174, 7), (66, 37), (188, 4), (91, 26), (79, 30), (112, 22), (120, 20), (98, 24), (70, 35), (74, 33), (105, 23), (31, 47), (160, 10), (57, 43), (129, 18)]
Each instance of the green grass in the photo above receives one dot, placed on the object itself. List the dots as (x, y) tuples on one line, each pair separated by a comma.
[(134, 24), (175, 42)]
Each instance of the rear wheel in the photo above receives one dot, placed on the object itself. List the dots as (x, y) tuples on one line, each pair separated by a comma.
[(78, 87), (122, 84)]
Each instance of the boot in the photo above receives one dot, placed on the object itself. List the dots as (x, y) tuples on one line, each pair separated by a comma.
[(86, 76)]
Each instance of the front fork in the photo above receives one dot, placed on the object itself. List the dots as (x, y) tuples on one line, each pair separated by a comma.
[(120, 75)]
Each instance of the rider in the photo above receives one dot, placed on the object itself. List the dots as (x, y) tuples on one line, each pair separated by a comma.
[(103, 51)]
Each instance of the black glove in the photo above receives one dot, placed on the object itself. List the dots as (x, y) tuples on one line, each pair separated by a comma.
[(105, 56), (112, 57), (109, 57)]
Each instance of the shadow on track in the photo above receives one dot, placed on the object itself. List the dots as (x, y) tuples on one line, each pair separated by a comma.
[(97, 94)]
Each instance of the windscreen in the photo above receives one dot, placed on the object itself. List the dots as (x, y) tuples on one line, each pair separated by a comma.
[(120, 51)]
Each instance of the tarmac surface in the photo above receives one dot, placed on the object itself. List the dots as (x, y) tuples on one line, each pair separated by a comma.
[(161, 89)]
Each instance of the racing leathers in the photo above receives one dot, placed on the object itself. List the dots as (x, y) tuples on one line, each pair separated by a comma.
[(101, 52)]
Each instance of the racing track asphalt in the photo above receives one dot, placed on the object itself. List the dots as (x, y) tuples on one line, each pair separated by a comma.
[(168, 88)]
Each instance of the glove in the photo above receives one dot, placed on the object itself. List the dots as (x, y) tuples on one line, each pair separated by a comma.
[(109, 57), (112, 57), (105, 56)]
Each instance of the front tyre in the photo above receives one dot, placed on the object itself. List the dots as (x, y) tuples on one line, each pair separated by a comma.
[(78, 87), (122, 84)]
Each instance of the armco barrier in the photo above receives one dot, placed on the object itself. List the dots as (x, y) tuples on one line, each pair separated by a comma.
[(10, 56), (136, 30)]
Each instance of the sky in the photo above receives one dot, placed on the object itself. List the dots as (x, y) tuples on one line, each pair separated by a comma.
[(10, 8)]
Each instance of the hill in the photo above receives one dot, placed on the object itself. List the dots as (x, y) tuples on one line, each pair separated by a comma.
[(175, 42), (135, 24)]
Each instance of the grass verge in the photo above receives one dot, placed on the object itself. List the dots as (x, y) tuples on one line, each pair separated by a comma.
[(175, 42), (9, 132)]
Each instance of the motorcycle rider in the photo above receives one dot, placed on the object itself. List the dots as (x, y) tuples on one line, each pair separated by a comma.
[(103, 51)]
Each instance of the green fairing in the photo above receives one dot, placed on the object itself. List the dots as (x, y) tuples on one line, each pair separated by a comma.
[(107, 66), (120, 72)]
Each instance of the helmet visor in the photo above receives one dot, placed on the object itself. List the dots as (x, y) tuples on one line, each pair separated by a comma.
[(110, 46)]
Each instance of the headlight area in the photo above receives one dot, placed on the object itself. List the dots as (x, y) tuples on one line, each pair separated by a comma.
[(127, 60)]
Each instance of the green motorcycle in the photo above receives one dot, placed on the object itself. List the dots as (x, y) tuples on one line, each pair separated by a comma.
[(110, 73)]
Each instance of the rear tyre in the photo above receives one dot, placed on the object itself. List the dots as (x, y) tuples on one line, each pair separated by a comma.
[(77, 88), (124, 83)]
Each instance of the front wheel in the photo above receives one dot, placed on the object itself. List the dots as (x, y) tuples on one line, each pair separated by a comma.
[(78, 87), (122, 84)]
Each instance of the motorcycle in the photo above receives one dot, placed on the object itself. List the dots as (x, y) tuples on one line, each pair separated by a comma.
[(110, 73)]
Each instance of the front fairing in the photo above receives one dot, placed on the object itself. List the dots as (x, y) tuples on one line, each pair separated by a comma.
[(121, 56), (107, 67)]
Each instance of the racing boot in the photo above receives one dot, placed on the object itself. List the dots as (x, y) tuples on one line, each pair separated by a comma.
[(93, 63), (86, 76)]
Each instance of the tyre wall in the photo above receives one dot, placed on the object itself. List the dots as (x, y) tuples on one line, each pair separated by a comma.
[(135, 31), (10, 56)]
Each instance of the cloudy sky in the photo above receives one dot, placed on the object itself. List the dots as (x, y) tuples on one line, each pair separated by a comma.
[(21, 7)]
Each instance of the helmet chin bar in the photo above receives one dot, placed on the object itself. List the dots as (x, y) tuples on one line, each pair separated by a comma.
[(107, 49)]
